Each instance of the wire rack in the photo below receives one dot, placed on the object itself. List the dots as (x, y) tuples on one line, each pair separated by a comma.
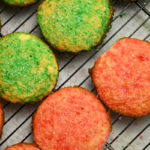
[(130, 20)]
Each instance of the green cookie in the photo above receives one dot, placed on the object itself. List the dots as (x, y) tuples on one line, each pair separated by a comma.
[(28, 68), (74, 25), (20, 2)]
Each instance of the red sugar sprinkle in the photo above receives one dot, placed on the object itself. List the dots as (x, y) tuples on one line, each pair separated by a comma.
[(136, 124), (141, 137), (120, 118), (111, 139)]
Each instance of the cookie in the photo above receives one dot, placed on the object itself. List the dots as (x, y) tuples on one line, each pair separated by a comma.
[(74, 26), (20, 3), (71, 118), (122, 77), (1, 119), (23, 146), (28, 68)]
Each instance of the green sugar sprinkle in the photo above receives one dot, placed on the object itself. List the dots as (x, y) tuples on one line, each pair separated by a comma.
[(28, 68), (74, 25)]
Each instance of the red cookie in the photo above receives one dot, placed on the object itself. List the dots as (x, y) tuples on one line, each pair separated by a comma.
[(71, 119), (1, 119), (23, 146), (122, 77)]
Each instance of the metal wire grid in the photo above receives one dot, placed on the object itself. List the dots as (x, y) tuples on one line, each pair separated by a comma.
[(73, 71)]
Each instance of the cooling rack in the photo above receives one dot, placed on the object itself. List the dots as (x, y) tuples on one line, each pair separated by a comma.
[(130, 20)]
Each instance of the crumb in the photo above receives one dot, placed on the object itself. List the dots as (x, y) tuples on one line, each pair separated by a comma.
[(122, 15), (141, 137), (145, 3)]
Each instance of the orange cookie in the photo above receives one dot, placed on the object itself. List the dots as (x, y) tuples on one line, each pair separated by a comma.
[(1, 119), (122, 77), (71, 119), (23, 146)]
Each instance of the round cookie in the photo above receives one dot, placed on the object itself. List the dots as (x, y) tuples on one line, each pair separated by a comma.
[(20, 3), (28, 68), (23, 146), (74, 25), (1, 119), (122, 77), (71, 118)]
